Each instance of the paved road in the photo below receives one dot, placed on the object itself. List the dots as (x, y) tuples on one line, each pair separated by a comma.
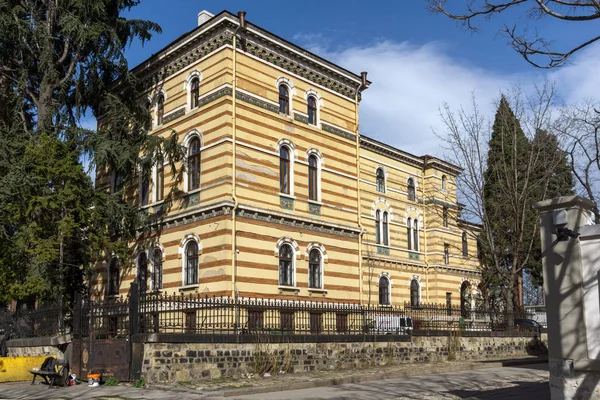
[(529, 382), (515, 383)]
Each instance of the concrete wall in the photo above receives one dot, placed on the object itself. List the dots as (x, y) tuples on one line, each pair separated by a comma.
[(170, 362)]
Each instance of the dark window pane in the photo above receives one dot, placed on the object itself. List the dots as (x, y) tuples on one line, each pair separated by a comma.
[(160, 181), (314, 269), (157, 270), (145, 189), (445, 216), (312, 178), (384, 228), (113, 277), (416, 235), (194, 164), (191, 266), (414, 293), (284, 170), (195, 92), (341, 323), (411, 190), (284, 100), (465, 245), (380, 178), (286, 269), (312, 111), (316, 322), (409, 233), (286, 321), (190, 321), (384, 291), (255, 319), (160, 109), (142, 265), (378, 227)]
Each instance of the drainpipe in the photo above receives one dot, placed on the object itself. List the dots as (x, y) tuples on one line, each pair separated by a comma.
[(359, 89), (425, 232), (242, 26)]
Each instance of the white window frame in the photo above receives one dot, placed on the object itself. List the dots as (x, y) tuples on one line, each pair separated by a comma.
[(154, 178), (187, 87), (182, 253), (193, 133), (417, 279), (389, 285), (318, 104), (282, 80), (385, 178), (157, 246), (292, 150), (157, 94), (321, 249), (137, 268), (294, 245), (319, 157)]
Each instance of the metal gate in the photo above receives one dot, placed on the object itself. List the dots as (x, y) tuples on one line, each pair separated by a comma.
[(102, 336)]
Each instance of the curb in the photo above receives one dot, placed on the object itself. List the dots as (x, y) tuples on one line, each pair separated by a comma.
[(432, 370)]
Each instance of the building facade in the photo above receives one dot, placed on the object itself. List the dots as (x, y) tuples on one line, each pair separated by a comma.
[(280, 196)]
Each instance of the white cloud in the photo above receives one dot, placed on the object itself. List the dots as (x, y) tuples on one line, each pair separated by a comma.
[(410, 83)]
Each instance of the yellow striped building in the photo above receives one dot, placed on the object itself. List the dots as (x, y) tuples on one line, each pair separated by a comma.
[(281, 197)]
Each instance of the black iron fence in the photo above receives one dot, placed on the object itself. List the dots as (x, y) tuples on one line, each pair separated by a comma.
[(23, 323), (197, 314)]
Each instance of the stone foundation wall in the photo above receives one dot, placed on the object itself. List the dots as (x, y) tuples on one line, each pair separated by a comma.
[(169, 362), (58, 346)]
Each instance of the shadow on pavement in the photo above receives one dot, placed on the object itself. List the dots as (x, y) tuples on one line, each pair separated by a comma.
[(520, 391)]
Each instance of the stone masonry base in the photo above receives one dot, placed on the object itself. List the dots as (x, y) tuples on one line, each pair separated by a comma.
[(568, 384)]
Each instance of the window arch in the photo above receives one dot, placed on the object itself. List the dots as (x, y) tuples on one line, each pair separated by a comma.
[(114, 281), (194, 163), (313, 177), (194, 92), (160, 109), (285, 173), (444, 182), (190, 264), (286, 265), (284, 99), (315, 269), (312, 110), (415, 293), (142, 271), (412, 196), (465, 245), (384, 290), (157, 268), (380, 180)]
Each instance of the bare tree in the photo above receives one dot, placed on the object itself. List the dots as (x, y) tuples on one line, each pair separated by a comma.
[(531, 47), (579, 126), (466, 140)]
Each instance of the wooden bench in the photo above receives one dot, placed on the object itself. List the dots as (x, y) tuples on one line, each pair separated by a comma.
[(53, 371)]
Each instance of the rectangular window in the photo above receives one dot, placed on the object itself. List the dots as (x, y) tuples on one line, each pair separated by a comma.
[(316, 322), (145, 190), (341, 323), (445, 217), (255, 320), (190, 321), (446, 253), (286, 321)]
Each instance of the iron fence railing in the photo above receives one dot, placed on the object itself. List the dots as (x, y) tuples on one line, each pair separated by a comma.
[(47, 321)]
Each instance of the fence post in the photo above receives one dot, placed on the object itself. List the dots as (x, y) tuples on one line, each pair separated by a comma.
[(134, 302)]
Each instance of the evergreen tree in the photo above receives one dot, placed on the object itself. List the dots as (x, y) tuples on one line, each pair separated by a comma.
[(509, 190), (60, 61)]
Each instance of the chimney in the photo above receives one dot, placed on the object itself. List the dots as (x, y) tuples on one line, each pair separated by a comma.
[(204, 16)]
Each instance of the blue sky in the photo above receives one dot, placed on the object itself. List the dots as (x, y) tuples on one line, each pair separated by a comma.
[(416, 60)]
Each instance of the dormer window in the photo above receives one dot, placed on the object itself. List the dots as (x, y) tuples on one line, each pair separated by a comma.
[(284, 99)]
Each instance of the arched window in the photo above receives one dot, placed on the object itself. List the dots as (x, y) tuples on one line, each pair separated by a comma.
[(384, 229), (284, 170), (378, 227), (415, 298), (416, 235), (411, 190), (194, 92), (384, 290), (286, 265), (159, 182), (160, 109), (380, 180), (313, 178), (157, 257), (465, 245), (465, 299), (191, 263), (114, 280), (194, 164), (444, 182), (409, 233), (312, 110), (144, 188), (284, 100), (314, 269), (142, 265)]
